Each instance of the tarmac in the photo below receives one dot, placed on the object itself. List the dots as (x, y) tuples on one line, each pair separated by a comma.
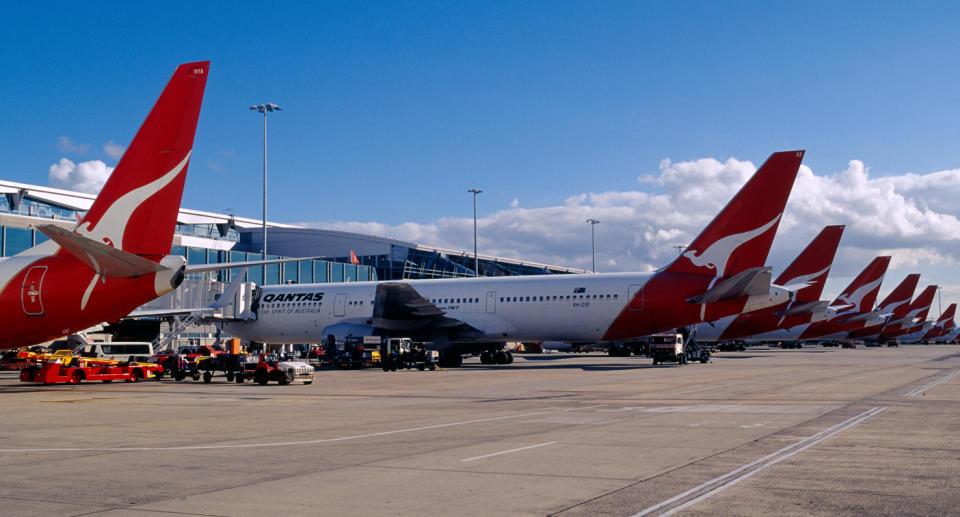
[(870, 431)]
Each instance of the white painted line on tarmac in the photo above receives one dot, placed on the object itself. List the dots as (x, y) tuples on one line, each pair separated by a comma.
[(508, 452), (302, 442), (925, 387), (761, 464)]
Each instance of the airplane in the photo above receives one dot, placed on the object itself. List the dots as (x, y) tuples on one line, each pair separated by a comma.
[(721, 273), (116, 257), (851, 308), (943, 327), (893, 307), (915, 318), (807, 275)]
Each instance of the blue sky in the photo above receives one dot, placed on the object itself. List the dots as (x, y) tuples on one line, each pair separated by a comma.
[(393, 110)]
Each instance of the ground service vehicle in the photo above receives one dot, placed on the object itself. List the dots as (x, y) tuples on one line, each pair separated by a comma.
[(399, 353), (64, 368), (117, 350), (671, 347), (268, 367)]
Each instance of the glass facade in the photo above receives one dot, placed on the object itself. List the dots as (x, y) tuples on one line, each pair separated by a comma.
[(16, 240)]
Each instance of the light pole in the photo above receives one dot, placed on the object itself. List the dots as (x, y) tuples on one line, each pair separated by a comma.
[(476, 259), (265, 108), (593, 242)]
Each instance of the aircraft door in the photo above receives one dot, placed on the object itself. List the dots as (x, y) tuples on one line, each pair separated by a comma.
[(30, 291), (635, 298), (340, 305), (491, 302)]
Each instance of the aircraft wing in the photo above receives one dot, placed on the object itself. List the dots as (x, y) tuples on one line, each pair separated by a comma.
[(751, 282), (400, 301)]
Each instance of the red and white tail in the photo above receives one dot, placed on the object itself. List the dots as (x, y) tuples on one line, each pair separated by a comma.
[(898, 301), (945, 322), (137, 209), (862, 292), (920, 307), (739, 238), (812, 265)]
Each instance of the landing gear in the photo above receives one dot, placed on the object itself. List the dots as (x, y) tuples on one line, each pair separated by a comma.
[(496, 357)]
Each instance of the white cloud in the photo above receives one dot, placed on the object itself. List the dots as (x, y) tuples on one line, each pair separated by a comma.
[(515, 203), (84, 176), (913, 217), (67, 145), (113, 150)]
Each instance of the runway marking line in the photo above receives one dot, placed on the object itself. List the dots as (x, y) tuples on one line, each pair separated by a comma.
[(511, 450), (925, 387), (301, 442), (760, 464)]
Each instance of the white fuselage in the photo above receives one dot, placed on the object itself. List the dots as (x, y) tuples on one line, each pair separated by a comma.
[(535, 308)]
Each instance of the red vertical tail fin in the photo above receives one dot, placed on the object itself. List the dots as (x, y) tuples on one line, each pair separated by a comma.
[(947, 316), (920, 307), (898, 301), (739, 238), (862, 292), (812, 265), (137, 209)]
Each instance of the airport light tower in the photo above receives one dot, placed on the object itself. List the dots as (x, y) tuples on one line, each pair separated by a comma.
[(593, 242), (476, 259), (265, 108)]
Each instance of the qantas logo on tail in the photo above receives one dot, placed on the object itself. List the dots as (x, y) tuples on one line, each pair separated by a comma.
[(806, 280), (857, 296), (717, 254), (112, 225)]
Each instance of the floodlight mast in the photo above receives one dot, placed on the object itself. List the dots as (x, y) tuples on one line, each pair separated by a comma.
[(476, 259), (593, 245), (265, 108)]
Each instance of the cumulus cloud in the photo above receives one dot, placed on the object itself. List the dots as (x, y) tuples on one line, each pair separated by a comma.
[(113, 150), (67, 145), (83, 177), (913, 217)]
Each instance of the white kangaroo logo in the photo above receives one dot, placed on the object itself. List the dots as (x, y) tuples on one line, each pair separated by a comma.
[(717, 254), (857, 296), (805, 280), (113, 223)]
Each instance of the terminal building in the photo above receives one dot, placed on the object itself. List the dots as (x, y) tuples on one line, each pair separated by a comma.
[(207, 238)]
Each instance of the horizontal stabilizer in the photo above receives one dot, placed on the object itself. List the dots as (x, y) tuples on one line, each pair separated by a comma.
[(805, 308), (905, 322), (863, 316), (751, 282), (104, 260)]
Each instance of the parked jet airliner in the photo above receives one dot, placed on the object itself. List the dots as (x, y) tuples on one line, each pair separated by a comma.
[(116, 258), (807, 274), (848, 311), (720, 274)]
